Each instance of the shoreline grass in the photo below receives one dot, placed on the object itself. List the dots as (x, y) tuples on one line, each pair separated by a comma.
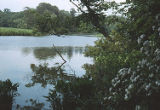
[(8, 31)]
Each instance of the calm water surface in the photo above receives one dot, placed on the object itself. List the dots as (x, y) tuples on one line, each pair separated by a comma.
[(18, 53)]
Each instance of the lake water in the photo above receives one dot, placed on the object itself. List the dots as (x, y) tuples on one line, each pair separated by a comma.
[(18, 53)]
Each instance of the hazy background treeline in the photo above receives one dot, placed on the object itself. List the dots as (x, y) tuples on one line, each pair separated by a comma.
[(44, 19)]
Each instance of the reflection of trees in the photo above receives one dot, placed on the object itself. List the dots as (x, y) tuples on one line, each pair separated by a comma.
[(26, 51), (69, 92), (45, 75), (44, 53), (7, 92), (69, 52)]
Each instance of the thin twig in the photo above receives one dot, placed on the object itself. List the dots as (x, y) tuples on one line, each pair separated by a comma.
[(59, 53), (59, 67)]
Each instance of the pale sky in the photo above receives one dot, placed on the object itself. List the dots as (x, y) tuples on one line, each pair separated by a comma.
[(19, 5)]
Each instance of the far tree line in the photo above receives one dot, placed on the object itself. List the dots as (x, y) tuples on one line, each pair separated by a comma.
[(46, 19), (49, 19)]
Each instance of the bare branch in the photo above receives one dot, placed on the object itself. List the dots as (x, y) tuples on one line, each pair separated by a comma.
[(59, 54), (59, 67)]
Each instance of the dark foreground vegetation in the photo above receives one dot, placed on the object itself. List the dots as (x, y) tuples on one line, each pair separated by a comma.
[(8, 91), (126, 70)]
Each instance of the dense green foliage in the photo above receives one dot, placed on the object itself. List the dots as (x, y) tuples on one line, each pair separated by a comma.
[(11, 19), (93, 10), (7, 93), (45, 19), (77, 94), (125, 73)]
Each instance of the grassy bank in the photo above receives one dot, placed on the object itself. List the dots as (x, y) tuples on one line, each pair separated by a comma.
[(5, 31), (8, 31)]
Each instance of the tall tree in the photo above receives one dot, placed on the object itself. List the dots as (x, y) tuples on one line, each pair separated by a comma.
[(93, 10)]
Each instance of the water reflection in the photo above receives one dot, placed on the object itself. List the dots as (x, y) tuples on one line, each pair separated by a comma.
[(39, 72), (44, 53), (48, 75), (68, 91), (24, 60), (26, 51)]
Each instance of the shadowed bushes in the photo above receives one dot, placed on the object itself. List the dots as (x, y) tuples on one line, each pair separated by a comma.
[(8, 91)]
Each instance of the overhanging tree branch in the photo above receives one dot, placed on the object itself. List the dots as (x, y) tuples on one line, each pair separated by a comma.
[(96, 19), (77, 6)]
